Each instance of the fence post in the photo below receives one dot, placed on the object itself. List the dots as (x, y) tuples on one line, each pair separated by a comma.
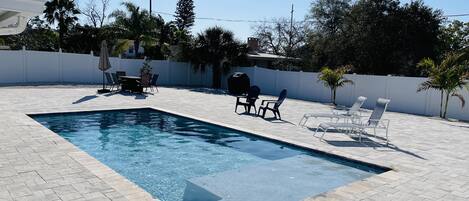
[(59, 60), (254, 72), (24, 63), (188, 80), (387, 87), (277, 72), (119, 62), (168, 65), (298, 86), (354, 89)]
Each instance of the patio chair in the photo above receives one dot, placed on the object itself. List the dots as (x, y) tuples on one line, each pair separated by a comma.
[(154, 82), (250, 99), (374, 122), (273, 105), (348, 114), (119, 74), (110, 81), (116, 80)]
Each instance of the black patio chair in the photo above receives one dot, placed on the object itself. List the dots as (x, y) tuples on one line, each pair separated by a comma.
[(154, 82), (110, 81), (273, 105), (119, 74), (116, 80), (250, 99)]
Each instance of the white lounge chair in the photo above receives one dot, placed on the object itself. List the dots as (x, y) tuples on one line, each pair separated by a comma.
[(347, 114), (374, 122)]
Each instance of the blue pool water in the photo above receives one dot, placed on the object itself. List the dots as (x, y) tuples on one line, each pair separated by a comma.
[(160, 152)]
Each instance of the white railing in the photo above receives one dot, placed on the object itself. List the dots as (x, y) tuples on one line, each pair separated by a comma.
[(23, 66)]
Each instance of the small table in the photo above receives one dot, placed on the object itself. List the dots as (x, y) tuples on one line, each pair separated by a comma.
[(131, 83)]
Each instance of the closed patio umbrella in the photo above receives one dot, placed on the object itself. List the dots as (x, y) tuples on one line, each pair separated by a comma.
[(104, 64)]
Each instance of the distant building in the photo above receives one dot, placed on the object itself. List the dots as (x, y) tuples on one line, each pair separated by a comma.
[(258, 58), (130, 51)]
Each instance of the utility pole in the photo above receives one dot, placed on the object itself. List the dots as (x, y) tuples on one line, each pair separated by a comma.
[(290, 38), (150, 7), (291, 17)]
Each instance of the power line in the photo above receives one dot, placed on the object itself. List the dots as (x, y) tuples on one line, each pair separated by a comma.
[(219, 19), (271, 21), (457, 15)]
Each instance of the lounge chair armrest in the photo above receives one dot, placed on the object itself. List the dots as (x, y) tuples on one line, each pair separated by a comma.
[(384, 123), (338, 112), (262, 103), (340, 107)]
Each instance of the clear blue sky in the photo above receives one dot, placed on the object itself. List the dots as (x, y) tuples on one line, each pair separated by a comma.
[(261, 10)]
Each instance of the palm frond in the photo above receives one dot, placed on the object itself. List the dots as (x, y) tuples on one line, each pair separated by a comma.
[(460, 97)]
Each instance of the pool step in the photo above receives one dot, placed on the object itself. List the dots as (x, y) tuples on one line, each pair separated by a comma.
[(293, 178)]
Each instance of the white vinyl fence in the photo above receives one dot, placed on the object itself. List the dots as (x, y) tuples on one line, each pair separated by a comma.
[(20, 67), (23, 66)]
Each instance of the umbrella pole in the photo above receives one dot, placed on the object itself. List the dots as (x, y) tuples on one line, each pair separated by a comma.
[(104, 90), (104, 87)]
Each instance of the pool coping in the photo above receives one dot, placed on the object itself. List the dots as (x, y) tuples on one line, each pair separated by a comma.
[(122, 184)]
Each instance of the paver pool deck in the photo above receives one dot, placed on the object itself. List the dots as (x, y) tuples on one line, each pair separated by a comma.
[(429, 156)]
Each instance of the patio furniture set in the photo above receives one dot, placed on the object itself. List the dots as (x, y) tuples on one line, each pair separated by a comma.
[(350, 120), (249, 101), (134, 84)]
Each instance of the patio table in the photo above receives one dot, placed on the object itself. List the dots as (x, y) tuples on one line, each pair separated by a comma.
[(131, 83)]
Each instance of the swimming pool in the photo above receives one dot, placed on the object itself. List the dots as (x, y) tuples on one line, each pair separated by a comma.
[(178, 158)]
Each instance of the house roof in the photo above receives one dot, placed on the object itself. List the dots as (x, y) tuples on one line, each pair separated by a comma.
[(267, 56), (14, 14)]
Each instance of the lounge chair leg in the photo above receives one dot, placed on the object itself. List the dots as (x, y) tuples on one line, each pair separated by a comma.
[(279, 116), (324, 133), (301, 121), (387, 139)]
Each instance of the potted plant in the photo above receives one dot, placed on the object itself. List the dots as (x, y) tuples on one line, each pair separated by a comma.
[(145, 72)]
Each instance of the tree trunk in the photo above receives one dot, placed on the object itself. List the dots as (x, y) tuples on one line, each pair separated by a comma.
[(136, 47), (441, 104), (334, 96), (216, 76), (446, 104)]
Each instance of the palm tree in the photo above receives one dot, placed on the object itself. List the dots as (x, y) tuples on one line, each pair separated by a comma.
[(218, 48), (134, 24), (334, 79), (62, 12), (448, 77)]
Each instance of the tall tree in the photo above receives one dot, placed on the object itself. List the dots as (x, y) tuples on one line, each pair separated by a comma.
[(375, 36), (185, 15), (455, 36), (217, 48), (96, 14), (134, 23), (62, 12), (282, 37), (328, 15)]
